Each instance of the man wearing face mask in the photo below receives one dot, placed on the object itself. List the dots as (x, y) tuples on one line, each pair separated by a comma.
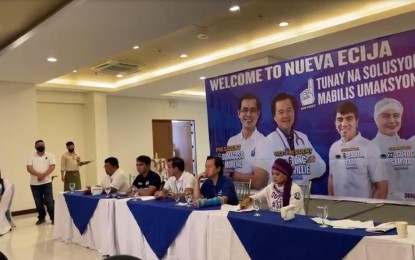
[(70, 163), (40, 166)]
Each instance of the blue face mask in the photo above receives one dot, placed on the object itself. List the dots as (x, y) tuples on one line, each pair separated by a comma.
[(40, 149)]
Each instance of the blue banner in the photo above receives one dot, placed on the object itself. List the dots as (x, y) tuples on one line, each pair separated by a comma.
[(345, 117)]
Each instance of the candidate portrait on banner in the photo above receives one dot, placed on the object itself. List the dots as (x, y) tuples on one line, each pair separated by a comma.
[(249, 111), (289, 144)]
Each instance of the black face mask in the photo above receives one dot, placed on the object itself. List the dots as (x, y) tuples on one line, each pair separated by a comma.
[(71, 150), (40, 149)]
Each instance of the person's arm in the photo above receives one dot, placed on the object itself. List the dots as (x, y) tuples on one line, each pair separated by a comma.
[(297, 200), (259, 178), (147, 192), (330, 185), (381, 190), (248, 201), (196, 188), (32, 171), (161, 194), (63, 167)]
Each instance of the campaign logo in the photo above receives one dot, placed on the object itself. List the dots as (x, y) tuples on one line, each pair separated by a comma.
[(307, 96)]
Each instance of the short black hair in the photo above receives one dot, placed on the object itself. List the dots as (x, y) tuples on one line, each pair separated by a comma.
[(39, 141), (177, 162), (248, 96), (69, 143), (280, 97), (218, 163), (144, 158), (113, 161), (346, 108)]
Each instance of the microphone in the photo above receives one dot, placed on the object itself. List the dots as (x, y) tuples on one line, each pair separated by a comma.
[(162, 185)]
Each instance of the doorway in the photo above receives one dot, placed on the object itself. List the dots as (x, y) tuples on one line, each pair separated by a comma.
[(176, 138)]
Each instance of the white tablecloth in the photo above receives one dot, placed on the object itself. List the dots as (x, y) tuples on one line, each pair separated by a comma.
[(224, 244), (190, 243), (99, 234)]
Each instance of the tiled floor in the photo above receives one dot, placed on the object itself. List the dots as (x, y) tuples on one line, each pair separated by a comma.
[(28, 241)]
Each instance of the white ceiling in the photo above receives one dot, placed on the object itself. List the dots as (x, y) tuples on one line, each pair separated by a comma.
[(88, 32)]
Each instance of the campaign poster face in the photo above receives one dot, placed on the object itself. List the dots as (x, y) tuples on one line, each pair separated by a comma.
[(344, 119)]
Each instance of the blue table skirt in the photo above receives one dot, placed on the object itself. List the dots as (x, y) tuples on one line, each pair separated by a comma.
[(81, 207), (161, 221), (270, 237)]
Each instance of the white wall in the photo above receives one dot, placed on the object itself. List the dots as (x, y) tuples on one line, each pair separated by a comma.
[(17, 136), (61, 119), (130, 128)]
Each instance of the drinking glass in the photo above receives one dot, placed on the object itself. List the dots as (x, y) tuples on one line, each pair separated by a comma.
[(322, 212), (188, 197), (72, 186), (134, 191), (256, 205), (177, 198), (107, 190)]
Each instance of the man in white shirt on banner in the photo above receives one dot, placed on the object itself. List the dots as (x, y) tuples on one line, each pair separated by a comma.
[(288, 144), (397, 153), (249, 111), (356, 169), (179, 181)]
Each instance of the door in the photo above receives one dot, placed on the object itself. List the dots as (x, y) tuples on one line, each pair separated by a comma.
[(162, 138)]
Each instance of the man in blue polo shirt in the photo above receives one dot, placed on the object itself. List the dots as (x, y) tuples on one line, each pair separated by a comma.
[(216, 186)]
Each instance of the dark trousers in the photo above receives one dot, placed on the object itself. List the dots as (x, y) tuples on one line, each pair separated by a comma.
[(43, 196)]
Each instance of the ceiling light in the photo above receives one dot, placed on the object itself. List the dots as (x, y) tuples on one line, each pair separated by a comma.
[(282, 24), (136, 47), (52, 59), (74, 71), (234, 8), (202, 78), (184, 55), (119, 76), (202, 36)]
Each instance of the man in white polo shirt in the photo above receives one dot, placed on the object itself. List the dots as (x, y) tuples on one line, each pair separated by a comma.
[(179, 180), (40, 166)]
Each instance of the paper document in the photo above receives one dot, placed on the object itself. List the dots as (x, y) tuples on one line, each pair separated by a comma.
[(145, 198), (346, 223), (384, 227)]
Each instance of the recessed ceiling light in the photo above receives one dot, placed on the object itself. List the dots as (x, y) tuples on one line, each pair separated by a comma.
[(184, 55), (119, 76), (282, 24), (136, 47), (52, 59), (74, 71), (234, 8), (202, 36), (202, 78)]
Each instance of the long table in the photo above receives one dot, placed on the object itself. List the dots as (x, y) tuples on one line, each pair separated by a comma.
[(206, 235)]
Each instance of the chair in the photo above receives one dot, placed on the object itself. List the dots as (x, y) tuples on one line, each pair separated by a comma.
[(243, 189), (306, 189), (131, 178), (5, 204)]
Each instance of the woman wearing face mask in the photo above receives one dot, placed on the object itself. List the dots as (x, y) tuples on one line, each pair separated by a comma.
[(281, 192), (70, 163)]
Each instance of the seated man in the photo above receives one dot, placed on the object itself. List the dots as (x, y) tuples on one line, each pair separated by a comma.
[(179, 181), (147, 181), (281, 192), (216, 189), (114, 176)]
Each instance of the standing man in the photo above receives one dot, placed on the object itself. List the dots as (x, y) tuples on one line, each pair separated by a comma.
[(288, 144), (147, 181), (40, 166), (397, 153), (70, 163), (249, 110), (179, 180), (356, 169)]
